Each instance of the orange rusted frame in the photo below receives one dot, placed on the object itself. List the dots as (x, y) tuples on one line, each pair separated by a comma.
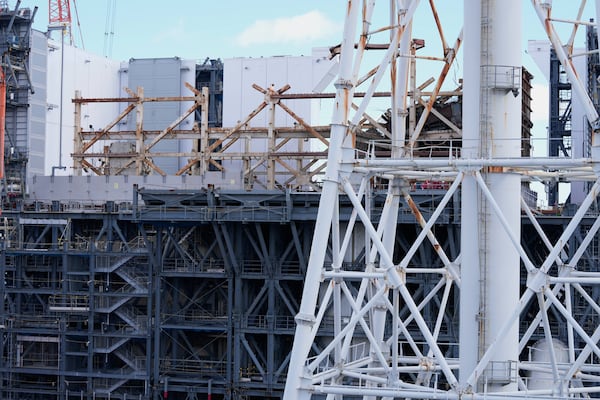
[(265, 157), (237, 127), (427, 110), (90, 166), (304, 124), (439, 25), (173, 125)]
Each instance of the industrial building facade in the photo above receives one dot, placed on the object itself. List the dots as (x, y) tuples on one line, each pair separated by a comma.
[(169, 263)]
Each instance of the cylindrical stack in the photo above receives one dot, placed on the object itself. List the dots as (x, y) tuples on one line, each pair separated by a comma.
[(495, 97)]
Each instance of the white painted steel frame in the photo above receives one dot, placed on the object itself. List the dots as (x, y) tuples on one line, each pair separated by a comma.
[(366, 303)]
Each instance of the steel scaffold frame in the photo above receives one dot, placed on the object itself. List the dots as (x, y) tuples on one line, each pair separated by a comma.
[(365, 356)]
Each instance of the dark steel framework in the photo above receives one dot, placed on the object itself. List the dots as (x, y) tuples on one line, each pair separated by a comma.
[(559, 130), (209, 74), (15, 47), (182, 295)]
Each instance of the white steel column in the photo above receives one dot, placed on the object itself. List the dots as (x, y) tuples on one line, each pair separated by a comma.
[(500, 115), (304, 335)]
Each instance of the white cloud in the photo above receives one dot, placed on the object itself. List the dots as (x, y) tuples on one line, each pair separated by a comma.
[(299, 28)]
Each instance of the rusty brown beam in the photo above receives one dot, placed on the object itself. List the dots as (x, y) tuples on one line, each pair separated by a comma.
[(238, 126), (293, 96), (90, 166), (108, 127), (172, 126), (131, 99), (303, 123)]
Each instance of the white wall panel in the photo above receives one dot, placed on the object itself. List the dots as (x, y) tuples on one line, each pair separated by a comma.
[(302, 73), (94, 76)]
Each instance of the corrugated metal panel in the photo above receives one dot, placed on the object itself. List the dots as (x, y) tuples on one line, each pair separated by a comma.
[(37, 104), (159, 77)]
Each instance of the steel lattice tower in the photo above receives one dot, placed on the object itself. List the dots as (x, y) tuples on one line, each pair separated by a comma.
[(379, 343), (59, 12)]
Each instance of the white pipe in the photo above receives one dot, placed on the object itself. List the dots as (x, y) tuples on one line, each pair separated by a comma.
[(356, 317), (498, 230), (441, 271), (400, 88), (439, 355), (432, 293), (352, 221), (597, 21), (322, 309), (504, 224), (591, 234), (548, 335), (426, 229), (583, 355), (399, 82), (353, 275), (425, 393), (476, 163), (571, 279), (539, 229), (590, 341), (573, 224), (386, 258), (491, 350), (386, 60)]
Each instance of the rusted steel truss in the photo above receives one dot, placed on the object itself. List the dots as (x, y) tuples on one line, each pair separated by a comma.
[(289, 159), (287, 162)]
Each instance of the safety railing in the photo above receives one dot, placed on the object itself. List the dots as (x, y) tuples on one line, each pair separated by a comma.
[(68, 302), (451, 148), (199, 367)]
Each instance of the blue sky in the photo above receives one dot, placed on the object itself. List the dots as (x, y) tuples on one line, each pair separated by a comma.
[(197, 29)]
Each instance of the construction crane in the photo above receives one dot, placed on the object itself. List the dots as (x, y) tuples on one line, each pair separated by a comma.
[(59, 17)]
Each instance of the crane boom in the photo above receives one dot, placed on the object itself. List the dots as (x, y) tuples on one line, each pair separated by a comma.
[(59, 17), (59, 12)]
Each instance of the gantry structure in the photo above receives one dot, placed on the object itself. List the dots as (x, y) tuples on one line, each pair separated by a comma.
[(494, 293), (331, 270)]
